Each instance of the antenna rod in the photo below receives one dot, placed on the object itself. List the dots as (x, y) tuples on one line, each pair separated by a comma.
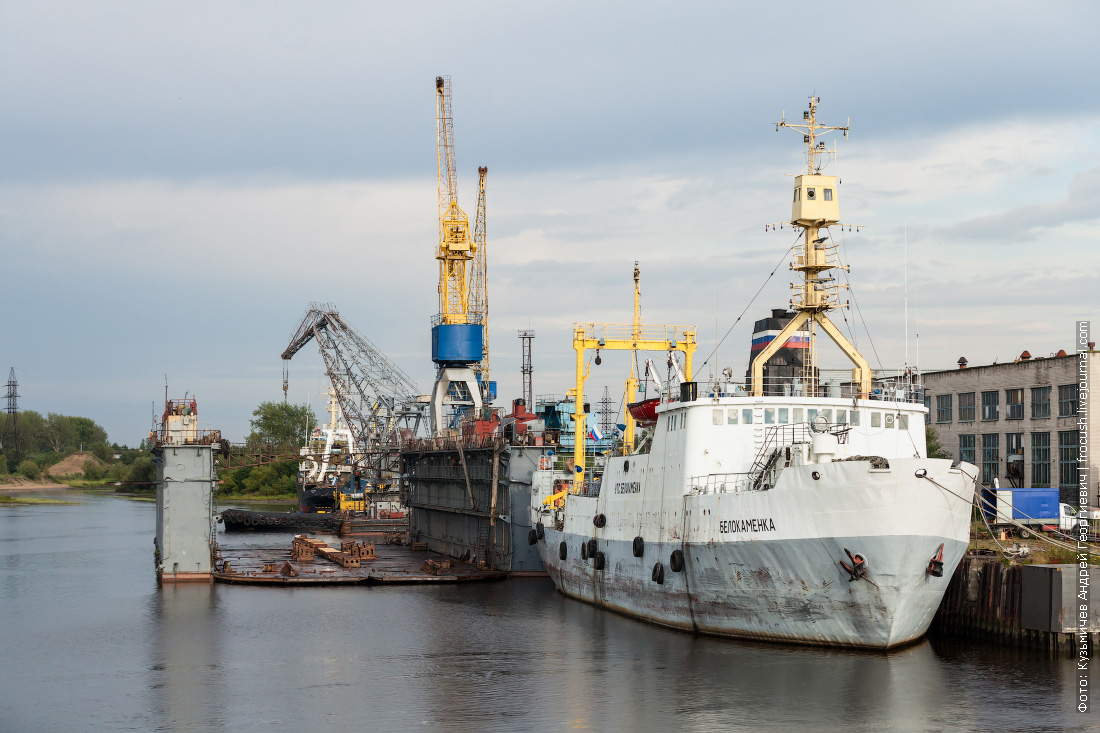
[(905, 287)]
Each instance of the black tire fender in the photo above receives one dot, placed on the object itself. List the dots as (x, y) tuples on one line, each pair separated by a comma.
[(599, 520), (592, 547), (563, 551), (676, 561), (601, 561), (639, 547), (540, 531), (659, 574), (584, 551), (532, 537)]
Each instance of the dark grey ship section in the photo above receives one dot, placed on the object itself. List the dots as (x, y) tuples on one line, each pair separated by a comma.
[(449, 485)]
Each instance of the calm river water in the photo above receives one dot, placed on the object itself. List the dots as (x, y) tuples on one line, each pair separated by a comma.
[(89, 642)]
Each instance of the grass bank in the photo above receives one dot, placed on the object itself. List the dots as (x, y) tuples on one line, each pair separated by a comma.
[(5, 499)]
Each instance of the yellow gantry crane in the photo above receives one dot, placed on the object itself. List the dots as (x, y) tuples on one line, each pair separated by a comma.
[(622, 337)]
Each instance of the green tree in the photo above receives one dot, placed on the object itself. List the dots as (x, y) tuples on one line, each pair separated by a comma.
[(282, 424), (935, 450), (142, 471), (60, 430), (93, 471), (30, 469)]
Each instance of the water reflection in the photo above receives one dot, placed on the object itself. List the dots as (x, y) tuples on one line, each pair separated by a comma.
[(185, 666)]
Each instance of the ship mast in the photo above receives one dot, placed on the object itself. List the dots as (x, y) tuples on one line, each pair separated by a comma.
[(815, 207)]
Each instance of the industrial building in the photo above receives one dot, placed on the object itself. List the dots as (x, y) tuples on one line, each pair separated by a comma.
[(1018, 421)]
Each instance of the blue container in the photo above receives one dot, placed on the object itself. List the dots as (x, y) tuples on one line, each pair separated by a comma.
[(1035, 504), (491, 390), (457, 344)]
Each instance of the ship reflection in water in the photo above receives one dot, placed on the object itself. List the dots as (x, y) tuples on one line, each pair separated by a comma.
[(92, 643)]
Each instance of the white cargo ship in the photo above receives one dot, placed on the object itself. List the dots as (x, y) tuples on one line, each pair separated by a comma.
[(790, 510)]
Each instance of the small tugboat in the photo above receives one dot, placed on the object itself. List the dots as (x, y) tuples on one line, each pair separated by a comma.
[(782, 510)]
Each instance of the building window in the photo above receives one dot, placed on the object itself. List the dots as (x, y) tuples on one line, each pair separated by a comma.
[(1040, 402), (991, 405), (943, 408), (991, 457), (966, 407), (966, 448), (1014, 456), (1067, 400), (1067, 458), (928, 410), (1014, 404), (1040, 458)]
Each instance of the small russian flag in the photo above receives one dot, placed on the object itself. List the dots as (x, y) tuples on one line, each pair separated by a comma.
[(594, 433)]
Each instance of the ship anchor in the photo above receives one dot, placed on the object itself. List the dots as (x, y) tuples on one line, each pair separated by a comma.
[(858, 569)]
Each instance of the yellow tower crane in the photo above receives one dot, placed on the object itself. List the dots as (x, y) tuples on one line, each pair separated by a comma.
[(479, 289), (455, 246)]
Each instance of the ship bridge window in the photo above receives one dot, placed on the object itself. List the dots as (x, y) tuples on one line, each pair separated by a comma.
[(828, 415), (876, 419), (746, 416), (811, 193), (828, 194), (717, 416), (811, 413), (783, 415), (732, 419), (841, 417), (797, 418), (769, 416), (855, 417), (796, 194), (903, 422)]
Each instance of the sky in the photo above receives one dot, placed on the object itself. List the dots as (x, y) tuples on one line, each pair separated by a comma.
[(179, 180)]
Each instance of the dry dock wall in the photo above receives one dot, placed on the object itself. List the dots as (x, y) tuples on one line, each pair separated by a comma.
[(185, 483), (449, 487), (1032, 606)]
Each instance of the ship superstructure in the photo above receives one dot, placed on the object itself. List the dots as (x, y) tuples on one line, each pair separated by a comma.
[(801, 512), (328, 465)]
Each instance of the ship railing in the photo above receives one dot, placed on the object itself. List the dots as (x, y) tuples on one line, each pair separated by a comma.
[(886, 386), (779, 437), (187, 436), (720, 483)]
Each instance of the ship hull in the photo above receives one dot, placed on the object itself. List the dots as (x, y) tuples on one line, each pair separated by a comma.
[(769, 565), (786, 591)]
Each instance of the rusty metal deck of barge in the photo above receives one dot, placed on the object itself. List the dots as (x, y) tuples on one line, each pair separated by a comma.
[(395, 564)]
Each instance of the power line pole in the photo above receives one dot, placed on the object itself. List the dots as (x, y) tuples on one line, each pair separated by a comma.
[(526, 369), (607, 420), (11, 426)]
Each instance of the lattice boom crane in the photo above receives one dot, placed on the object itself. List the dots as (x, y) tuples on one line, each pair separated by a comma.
[(376, 396)]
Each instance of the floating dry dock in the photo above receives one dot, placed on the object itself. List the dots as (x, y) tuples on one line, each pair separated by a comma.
[(336, 565)]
